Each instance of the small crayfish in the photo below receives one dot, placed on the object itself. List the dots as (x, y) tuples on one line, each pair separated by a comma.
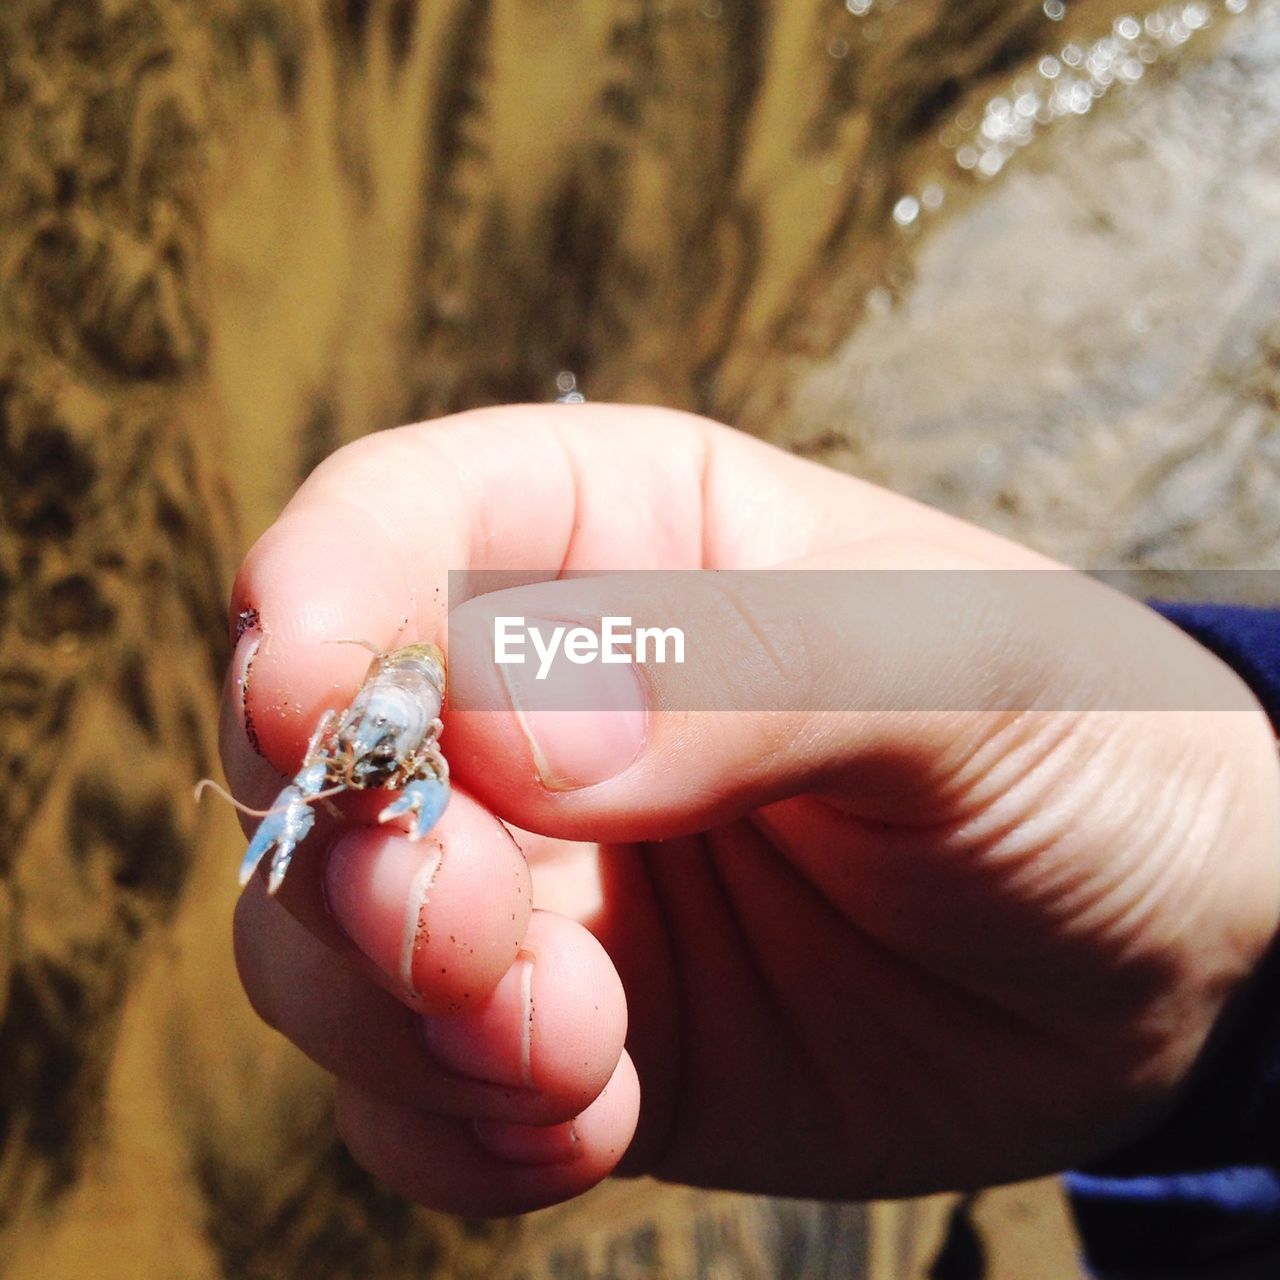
[(388, 737)]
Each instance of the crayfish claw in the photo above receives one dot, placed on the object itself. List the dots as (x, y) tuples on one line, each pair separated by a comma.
[(287, 825), (425, 799), (280, 864), (269, 829), (282, 831)]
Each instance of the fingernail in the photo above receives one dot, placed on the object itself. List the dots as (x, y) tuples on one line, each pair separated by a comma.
[(528, 1144), (479, 1044), (248, 640), (584, 723), (378, 889)]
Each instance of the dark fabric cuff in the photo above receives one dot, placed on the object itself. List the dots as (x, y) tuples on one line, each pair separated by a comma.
[(1230, 1115), (1200, 1196)]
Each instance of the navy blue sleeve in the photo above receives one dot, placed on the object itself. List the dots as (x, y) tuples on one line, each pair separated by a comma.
[(1202, 1193)]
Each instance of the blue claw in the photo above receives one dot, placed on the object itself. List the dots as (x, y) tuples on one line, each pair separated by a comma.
[(285, 827), (425, 798)]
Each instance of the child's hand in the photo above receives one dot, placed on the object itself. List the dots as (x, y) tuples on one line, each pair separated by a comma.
[(874, 954)]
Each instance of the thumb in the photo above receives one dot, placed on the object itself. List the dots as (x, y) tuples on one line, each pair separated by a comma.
[(642, 705)]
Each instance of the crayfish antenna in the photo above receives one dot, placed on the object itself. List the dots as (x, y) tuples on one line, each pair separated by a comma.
[(208, 784), (364, 644)]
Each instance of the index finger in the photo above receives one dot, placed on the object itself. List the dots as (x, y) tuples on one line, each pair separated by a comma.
[(364, 548)]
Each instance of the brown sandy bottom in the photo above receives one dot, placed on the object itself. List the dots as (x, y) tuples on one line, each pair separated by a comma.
[(234, 235)]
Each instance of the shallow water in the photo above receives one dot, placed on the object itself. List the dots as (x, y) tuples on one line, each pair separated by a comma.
[(1085, 356)]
